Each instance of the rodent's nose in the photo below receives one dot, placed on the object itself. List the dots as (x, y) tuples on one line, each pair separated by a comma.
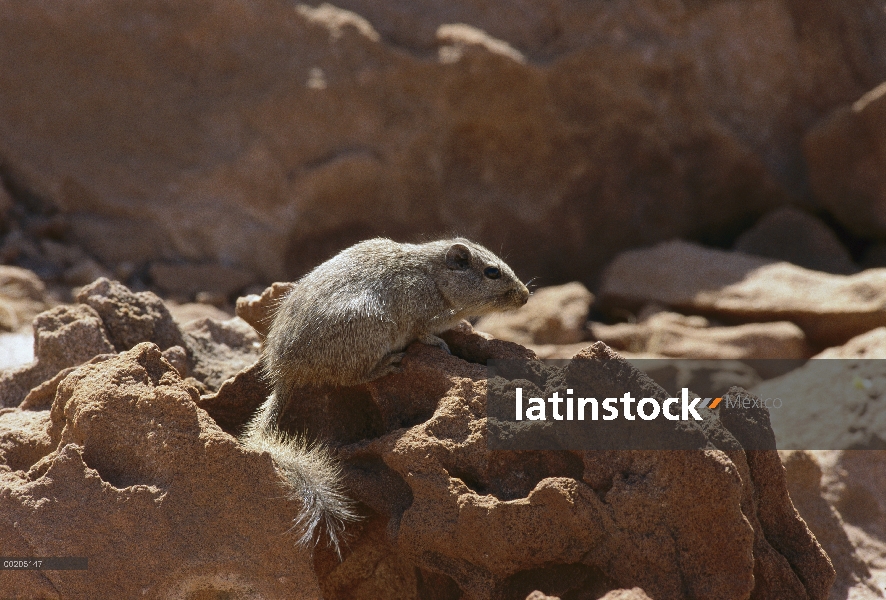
[(522, 294)]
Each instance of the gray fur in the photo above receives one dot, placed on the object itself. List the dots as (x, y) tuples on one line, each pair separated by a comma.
[(346, 323)]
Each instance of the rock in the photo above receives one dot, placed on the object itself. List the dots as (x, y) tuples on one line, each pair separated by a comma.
[(220, 349), (24, 438), (641, 121), (192, 311), (797, 237), (830, 309), (853, 483), (847, 164), (63, 337), (84, 271), (778, 528), (22, 297), (553, 315), (188, 280), (867, 345), (131, 318), (442, 513), (131, 459), (461, 504), (258, 310), (829, 405), (632, 594), (672, 334), (804, 475), (236, 400)]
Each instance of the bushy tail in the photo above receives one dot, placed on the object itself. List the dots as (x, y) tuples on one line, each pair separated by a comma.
[(313, 477)]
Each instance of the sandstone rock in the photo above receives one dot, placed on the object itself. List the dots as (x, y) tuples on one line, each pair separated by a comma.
[(457, 510), (642, 121), (553, 315), (853, 483), (131, 318), (830, 309), (830, 405), (258, 310), (63, 337), (847, 164), (867, 345), (804, 475), (145, 484), (443, 515), (219, 349), (632, 594), (22, 297), (192, 311), (797, 237), (672, 334)]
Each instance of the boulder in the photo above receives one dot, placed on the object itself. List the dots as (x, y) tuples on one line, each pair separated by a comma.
[(164, 502), (867, 345), (847, 163), (671, 334), (144, 484), (797, 237), (553, 315), (63, 337), (740, 288), (804, 477), (635, 121), (22, 297)]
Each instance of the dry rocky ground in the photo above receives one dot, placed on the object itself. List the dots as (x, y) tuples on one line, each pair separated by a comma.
[(714, 172), (117, 443)]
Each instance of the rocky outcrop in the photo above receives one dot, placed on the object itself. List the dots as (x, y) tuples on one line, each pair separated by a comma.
[(442, 514), (642, 121), (830, 309), (144, 484), (847, 164), (111, 318)]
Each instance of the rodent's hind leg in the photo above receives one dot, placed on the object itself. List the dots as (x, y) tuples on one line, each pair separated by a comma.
[(433, 340), (390, 363)]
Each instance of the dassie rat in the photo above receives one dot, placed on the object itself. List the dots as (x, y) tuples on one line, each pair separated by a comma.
[(346, 323)]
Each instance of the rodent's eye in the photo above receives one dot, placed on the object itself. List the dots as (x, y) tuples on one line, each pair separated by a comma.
[(492, 272)]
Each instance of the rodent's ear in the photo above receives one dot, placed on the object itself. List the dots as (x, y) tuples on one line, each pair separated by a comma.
[(458, 257)]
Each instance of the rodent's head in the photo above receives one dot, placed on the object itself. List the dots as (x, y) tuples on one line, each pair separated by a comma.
[(473, 280)]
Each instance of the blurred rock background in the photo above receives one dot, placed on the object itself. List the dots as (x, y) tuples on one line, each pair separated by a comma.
[(207, 146)]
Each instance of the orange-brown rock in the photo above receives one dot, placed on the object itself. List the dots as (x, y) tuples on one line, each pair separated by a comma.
[(804, 478), (258, 309), (671, 334), (144, 484), (322, 125), (22, 296), (146, 480), (733, 286), (553, 315)]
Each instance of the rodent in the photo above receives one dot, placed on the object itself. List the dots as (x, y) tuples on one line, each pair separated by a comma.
[(347, 322)]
